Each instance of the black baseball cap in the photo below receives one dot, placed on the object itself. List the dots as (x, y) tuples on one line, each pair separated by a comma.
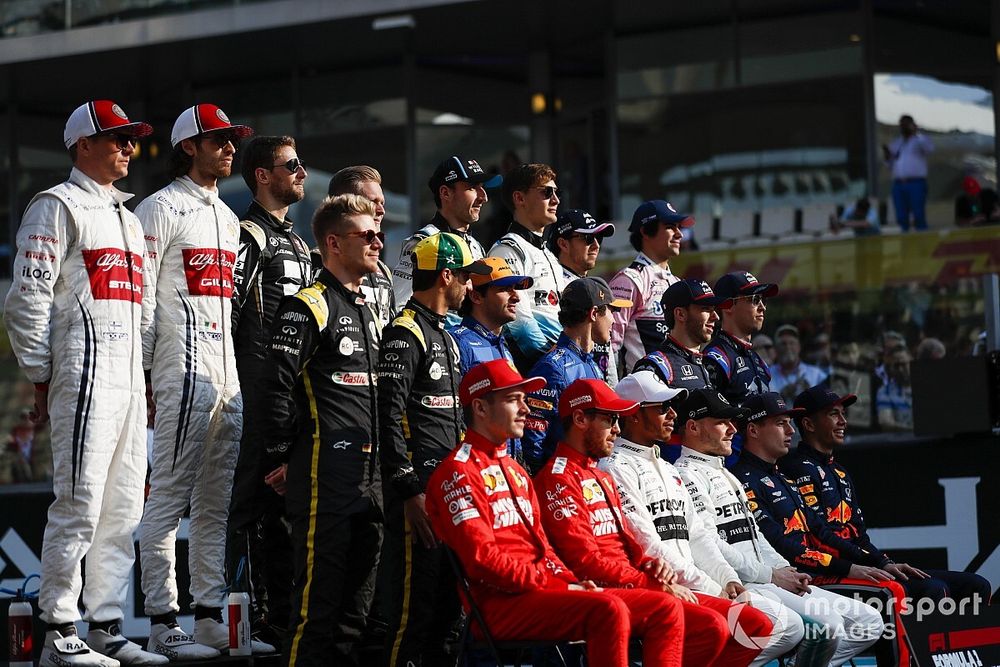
[(704, 403), (457, 168), (578, 221), (658, 209), (819, 397), (768, 404), (586, 293), (743, 283)]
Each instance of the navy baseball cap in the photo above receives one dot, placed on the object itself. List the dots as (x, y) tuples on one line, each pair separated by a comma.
[(590, 292), (817, 398), (743, 283), (663, 211), (458, 168), (577, 221), (768, 404), (689, 292)]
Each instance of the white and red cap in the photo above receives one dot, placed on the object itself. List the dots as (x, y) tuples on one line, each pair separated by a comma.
[(101, 116), (203, 118)]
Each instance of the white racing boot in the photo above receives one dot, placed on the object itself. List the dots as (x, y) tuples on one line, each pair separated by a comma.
[(113, 644), (71, 651), (210, 632), (177, 645)]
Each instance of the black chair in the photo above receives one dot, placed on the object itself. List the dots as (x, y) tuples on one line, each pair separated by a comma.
[(489, 643)]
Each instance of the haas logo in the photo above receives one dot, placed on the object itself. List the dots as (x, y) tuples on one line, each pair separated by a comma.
[(110, 277), (209, 271)]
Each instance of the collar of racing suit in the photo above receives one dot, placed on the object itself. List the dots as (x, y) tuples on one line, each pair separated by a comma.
[(482, 444), (734, 340), (81, 180), (258, 213), (643, 258), (528, 235), (195, 190), (672, 342), (755, 461), (570, 454), (442, 226), (709, 460), (570, 273), (469, 322), (426, 313), (814, 454), (568, 343), (652, 452), (331, 281)]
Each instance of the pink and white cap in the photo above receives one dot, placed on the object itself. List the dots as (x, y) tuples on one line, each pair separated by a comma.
[(204, 118), (101, 116)]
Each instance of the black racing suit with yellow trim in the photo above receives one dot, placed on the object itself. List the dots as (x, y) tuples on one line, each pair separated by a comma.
[(272, 263), (420, 422), (322, 421)]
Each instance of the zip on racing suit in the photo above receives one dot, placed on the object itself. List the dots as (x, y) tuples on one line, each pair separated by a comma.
[(582, 514), (639, 330), (73, 314), (734, 368), (836, 628), (482, 505), (537, 325), (319, 384), (191, 242), (420, 422), (560, 367), (273, 262)]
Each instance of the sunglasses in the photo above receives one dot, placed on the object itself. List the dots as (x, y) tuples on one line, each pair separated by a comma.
[(369, 235), (292, 165), (610, 417), (549, 191), (120, 139), (756, 299), (590, 239), (663, 407), (220, 139)]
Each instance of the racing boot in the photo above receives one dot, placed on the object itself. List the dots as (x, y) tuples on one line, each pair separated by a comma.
[(66, 649), (170, 640), (112, 643)]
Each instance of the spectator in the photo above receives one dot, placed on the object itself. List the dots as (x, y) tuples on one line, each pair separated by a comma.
[(576, 240), (22, 461), (906, 157), (931, 348), (655, 232), (890, 342), (764, 346), (861, 217), (968, 206), (790, 376), (483, 506), (458, 185), (531, 195), (585, 312), (894, 399), (819, 352)]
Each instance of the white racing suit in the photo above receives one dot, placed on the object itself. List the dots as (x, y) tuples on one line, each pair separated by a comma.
[(839, 627), (537, 327), (73, 314), (660, 512), (192, 240)]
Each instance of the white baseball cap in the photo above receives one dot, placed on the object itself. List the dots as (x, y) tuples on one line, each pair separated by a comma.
[(647, 387), (203, 118), (101, 116)]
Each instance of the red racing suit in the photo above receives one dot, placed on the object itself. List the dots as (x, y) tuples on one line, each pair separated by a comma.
[(481, 504), (583, 515)]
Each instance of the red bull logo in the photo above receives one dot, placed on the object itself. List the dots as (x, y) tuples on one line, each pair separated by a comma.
[(796, 523), (839, 514)]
